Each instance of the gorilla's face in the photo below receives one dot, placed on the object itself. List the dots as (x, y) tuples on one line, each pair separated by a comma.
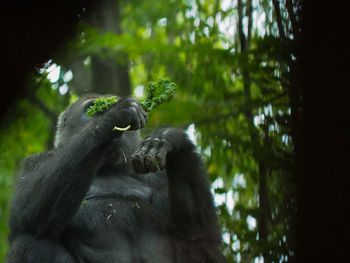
[(74, 120)]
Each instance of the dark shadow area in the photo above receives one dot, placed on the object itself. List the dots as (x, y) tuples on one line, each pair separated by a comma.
[(32, 32), (321, 135)]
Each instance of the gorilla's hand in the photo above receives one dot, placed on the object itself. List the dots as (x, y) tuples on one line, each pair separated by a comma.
[(155, 148), (127, 111)]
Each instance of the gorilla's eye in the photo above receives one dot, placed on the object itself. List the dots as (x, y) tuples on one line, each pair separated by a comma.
[(88, 104)]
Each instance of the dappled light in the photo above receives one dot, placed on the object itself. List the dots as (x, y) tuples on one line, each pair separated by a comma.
[(230, 60)]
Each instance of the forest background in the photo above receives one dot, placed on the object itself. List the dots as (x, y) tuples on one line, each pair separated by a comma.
[(234, 63)]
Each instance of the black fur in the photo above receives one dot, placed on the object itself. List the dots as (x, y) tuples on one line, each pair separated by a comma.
[(107, 196)]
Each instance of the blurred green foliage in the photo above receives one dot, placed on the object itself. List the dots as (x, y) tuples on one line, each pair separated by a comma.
[(233, 99)]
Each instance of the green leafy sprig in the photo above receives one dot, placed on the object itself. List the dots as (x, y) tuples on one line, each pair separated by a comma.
[(157, 93), (101, 105)]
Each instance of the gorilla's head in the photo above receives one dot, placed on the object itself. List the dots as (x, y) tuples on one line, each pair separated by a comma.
[(74, 121)]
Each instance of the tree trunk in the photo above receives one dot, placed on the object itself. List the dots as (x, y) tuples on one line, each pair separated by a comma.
[(82, 80), (110, 75), (276, 5), (254, 136)]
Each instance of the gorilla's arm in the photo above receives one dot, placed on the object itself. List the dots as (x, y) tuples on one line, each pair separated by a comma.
[(52, 185), (191, 204)]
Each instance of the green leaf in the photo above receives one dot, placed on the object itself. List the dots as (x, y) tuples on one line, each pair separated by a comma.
[(158, 92), (101, 105)]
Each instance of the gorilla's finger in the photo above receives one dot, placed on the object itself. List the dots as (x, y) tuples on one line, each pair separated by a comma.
[(150, 160), (145, 144), (142, 151), (142, 119), (161, 157), (138, 158), (144, 114), (136, 118), (138, 164)]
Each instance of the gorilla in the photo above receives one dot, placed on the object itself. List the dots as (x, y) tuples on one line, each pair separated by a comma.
[(106, 196)]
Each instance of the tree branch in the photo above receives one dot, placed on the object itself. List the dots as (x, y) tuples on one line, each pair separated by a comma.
[(31, 96), (264, 203), (293, 20), (42, 106), (250, 20), (253, 133), (242, 37), (276, 5)]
